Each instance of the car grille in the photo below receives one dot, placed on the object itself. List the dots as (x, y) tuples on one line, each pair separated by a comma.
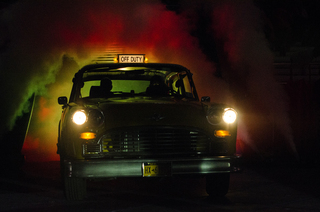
[(91, 149), (153, 141)]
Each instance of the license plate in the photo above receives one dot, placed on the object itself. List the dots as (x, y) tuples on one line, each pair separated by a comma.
[(156, 170)]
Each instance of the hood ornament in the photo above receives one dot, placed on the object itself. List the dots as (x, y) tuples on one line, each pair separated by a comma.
[(156, 117)]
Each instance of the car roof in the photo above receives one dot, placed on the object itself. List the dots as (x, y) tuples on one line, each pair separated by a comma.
[(94, 67)]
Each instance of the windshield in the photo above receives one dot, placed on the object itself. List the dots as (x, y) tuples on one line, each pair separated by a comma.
[(135, 81)]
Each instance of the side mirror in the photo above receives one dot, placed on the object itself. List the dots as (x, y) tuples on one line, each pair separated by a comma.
[(63, 100), (205, 99)]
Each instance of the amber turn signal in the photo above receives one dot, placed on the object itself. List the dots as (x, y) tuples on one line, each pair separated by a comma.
[(87, 135), (222, 133)]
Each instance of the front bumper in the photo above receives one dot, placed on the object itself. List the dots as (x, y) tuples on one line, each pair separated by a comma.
[(102, 168)]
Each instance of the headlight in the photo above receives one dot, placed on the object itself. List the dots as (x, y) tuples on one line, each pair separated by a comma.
[(95, 118), (79, 117), (214, 116), (229, 115)]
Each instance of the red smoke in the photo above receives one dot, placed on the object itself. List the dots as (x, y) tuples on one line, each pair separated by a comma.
[(44, 111), (51, 40), (83, 31), (247, 64)]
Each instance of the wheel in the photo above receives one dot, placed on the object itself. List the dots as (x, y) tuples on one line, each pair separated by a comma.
[(75, 188), (217, 185)]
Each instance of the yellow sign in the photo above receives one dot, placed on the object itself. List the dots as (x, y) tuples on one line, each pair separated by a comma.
[(131, 58), (150, 170)]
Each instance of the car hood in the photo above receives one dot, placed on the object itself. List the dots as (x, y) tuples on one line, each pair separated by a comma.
[(146, 111)]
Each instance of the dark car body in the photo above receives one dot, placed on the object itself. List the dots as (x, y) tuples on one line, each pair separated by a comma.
[(139, 131)]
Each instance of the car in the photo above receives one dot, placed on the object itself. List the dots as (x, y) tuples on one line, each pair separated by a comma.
[(133, 118)]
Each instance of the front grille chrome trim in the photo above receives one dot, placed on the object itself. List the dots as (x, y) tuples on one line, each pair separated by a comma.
[(155, 141)]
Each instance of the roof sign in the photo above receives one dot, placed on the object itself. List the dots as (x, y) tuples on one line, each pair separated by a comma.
[(131, 58)]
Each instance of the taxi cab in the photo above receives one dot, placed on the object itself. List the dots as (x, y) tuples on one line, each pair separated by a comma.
[(137, 119)]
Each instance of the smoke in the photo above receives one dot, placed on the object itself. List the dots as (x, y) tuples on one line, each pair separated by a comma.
[(248, 68), (45, 42)]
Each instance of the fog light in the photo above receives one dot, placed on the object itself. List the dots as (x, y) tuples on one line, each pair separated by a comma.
[(88, 135), (221, 133)]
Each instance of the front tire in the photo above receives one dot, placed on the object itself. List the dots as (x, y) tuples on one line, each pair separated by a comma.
[(75, 188), (217, 185)]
